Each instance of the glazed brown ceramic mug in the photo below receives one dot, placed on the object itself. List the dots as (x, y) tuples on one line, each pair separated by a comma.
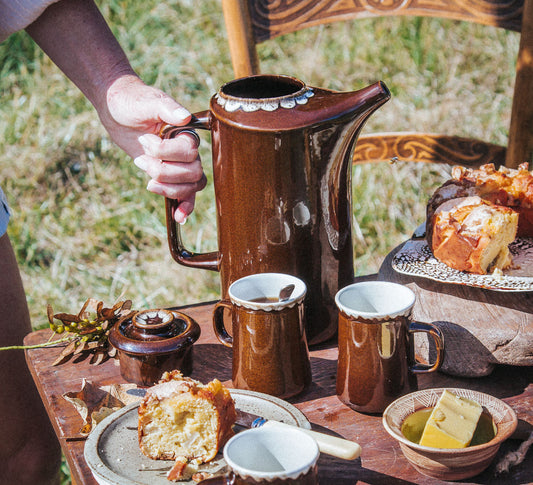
[(270, 352), (274, 456), (376, 362)]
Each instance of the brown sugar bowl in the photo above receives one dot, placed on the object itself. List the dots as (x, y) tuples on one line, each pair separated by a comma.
[(154, 341)]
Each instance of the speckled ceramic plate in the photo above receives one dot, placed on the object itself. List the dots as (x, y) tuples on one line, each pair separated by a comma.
[(415, 259), (112, 449)]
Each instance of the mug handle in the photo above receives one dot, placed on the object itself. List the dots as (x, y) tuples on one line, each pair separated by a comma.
[(178, 251), (438, 338), (218, 323)]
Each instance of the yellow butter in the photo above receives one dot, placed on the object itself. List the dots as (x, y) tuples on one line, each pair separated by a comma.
[(452, 422)]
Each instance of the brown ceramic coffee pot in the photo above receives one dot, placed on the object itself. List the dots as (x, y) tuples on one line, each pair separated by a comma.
[(282, 174)]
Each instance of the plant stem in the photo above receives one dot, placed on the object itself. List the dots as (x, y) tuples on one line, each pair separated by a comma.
[(36, 346)]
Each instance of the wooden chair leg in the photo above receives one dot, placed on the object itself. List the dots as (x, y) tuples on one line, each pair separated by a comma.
[(240, 38), (520, 146)]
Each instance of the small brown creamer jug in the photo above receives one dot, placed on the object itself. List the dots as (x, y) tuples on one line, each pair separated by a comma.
[(282, 173)]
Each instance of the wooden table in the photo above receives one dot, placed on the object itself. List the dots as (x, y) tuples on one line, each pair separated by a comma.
[(381, 461)]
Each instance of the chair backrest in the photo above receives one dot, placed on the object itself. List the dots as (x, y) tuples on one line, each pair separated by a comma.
[(250, 22)]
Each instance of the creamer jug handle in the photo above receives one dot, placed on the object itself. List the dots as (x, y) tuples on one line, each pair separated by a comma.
[(178, 251)]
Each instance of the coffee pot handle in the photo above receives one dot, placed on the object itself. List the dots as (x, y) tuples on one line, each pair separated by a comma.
[(438, 338), (178, 251)]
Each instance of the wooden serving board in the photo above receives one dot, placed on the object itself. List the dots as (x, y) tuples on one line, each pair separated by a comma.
[(482, 328)]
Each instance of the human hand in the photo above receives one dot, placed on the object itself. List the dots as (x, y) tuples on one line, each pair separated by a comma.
[(135, 115)]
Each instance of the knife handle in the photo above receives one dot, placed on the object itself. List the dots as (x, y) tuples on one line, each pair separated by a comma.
[(330, 445)]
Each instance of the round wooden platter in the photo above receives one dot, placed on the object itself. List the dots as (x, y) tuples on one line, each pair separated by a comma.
[(481, 327)]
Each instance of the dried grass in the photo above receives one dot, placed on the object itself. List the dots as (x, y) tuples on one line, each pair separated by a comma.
[(83, 224)]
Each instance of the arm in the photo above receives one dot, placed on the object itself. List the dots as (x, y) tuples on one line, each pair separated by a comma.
[(76, 37)]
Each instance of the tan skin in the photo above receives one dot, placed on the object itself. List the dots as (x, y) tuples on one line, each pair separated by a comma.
[(76, 37)]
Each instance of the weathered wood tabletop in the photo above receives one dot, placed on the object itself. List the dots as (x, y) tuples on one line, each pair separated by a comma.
[(381, 461)]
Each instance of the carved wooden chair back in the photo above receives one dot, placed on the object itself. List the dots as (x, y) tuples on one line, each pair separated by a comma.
[(250, 22)]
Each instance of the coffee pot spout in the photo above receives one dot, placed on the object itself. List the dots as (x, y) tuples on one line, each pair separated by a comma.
[(374, 96), (352, 109), (371, 98), (339, 121)]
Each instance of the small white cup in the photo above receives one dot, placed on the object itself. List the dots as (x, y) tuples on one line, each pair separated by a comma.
[(261, 455)]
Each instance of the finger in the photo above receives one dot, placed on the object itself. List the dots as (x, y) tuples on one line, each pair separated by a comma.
[(170, 172), (182, 191), (184, 209), (171, 112), (182, 148)]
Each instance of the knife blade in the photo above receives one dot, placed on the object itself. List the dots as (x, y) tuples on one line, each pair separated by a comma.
[(328, 444)]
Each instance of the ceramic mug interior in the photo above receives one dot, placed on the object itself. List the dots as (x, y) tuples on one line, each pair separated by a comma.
[(375, 299), (267, 454), (261, 291)]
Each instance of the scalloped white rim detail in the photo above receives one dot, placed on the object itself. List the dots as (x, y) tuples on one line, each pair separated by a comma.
[(294, 451), (248, 105), (266, 285), (370, 300)]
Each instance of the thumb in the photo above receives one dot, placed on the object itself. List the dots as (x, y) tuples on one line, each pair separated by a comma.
[(171, 112)]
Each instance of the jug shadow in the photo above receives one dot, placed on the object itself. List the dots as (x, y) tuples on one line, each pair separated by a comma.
[(215, 360), (500, 373), (477, 362), (334, 471), (211, 361)]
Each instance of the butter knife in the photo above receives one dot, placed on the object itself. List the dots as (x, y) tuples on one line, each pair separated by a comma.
[(328, 444)]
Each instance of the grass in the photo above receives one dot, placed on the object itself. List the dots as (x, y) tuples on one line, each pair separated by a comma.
[(84, 225)]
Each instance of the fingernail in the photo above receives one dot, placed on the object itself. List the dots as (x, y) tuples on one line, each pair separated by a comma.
[(144, 141), (148, 143), (181, 113), (141, 163), (183, 217), (151, 185)]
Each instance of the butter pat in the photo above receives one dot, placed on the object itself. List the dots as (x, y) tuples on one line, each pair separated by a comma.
[(452, 422)]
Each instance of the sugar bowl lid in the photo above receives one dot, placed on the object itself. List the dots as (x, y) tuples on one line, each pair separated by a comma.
[(156, 331)]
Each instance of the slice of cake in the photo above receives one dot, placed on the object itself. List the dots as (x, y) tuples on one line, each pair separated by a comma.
[(184, 420), (472, 235)]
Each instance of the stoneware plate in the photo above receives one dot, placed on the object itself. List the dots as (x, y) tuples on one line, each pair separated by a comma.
[(112, 449), (415, 259)]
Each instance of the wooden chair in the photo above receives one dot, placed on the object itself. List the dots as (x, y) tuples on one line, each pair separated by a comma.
[(250, 22)]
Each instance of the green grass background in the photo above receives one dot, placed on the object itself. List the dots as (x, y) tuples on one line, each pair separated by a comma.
[(83, 224)]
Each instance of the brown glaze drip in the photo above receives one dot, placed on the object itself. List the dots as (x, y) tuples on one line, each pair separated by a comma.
[(309, 478)]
